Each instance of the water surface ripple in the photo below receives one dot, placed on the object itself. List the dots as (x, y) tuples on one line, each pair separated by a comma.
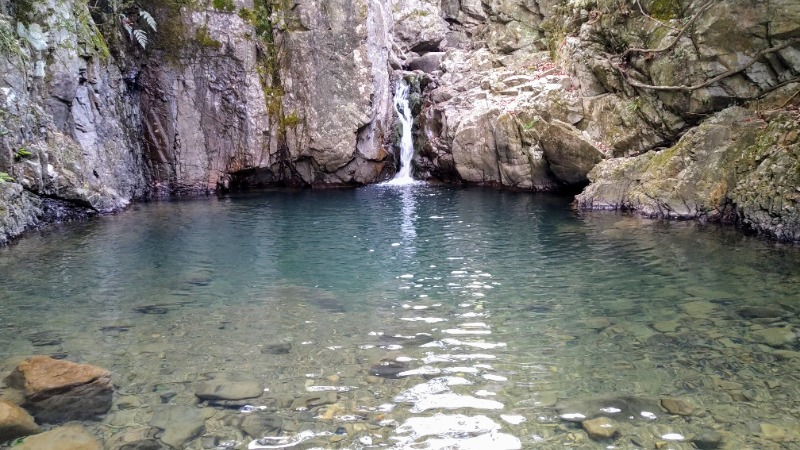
[(416, 317)]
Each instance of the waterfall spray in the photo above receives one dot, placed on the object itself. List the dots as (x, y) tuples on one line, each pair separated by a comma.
[(401, 92)]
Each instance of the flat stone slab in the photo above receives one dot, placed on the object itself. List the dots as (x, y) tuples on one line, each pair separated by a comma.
[(229, 387), (68, 437)]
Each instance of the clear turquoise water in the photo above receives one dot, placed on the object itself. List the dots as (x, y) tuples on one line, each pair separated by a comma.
[(526, 300)]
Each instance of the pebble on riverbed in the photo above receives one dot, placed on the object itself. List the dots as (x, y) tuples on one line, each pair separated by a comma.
[(229, 387), (600, 428)]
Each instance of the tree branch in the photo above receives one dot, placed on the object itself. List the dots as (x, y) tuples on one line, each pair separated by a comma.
[(706, 6), (723, 75), (639, 4)]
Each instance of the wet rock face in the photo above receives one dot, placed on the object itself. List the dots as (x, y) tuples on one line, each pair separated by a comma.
[(69, 132), (58, 391), (311, 108)]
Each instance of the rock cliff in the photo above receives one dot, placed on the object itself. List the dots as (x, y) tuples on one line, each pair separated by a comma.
[(527, 94)]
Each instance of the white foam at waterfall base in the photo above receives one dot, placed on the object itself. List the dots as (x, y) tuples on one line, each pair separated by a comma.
[(403, 176)]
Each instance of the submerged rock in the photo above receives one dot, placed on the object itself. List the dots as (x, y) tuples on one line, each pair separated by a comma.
[(229, 387), (15, 422), (775, 337), (678, 406), (600, 428), (388, 369), (708, 440), (627, 408), (58, 391), (277, 349), (181, 424), (68, 437), (761, 312)]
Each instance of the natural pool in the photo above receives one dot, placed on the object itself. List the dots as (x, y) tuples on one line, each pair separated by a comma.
[(415, 317)]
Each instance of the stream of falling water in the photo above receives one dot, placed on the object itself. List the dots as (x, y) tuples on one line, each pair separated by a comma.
[(403, 109)]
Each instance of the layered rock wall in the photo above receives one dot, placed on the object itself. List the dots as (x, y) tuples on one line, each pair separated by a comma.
[(527, 94), (68, 129)]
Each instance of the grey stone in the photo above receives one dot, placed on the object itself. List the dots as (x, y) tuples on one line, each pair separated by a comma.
[(181, 424), (775, 337), (229, 387), (708, 440), (429, 62), (761, 312)]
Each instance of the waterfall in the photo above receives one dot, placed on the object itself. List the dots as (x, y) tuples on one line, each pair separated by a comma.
[(403, 176)]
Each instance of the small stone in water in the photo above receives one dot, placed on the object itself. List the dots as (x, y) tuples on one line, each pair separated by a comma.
[(708, 440), (678, 406), (600, 428)]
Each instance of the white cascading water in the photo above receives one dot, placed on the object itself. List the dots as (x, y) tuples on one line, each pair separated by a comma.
[(403, 176)]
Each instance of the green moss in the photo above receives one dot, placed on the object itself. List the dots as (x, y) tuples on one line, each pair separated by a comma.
[(204, 39), (23, 10), (172, 37), (6, 178), (224, 5), (665, 9), (247, 15), (88, 31), (289, 121)]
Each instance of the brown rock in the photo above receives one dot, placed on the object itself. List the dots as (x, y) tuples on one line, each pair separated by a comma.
[(15, 422), (600, 428), (58, 391), (678, 406), (68, 437)]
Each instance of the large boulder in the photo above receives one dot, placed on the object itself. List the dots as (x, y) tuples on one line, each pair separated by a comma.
[(570, 155), (15, 422), (736, 166), (58, 391), (689, 180)]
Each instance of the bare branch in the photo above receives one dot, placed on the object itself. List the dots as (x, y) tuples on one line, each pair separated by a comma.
[(639, 4), (706, 6), (723, 75)]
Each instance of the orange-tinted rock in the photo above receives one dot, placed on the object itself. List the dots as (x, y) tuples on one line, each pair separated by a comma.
[(15, 422), (59, 391)]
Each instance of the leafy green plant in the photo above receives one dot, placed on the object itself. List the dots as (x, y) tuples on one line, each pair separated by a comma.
[(136, 23), (529, 125), (6, 178), (22, 153)]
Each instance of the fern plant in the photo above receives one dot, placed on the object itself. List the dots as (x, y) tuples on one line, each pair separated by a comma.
[(136, 25)]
